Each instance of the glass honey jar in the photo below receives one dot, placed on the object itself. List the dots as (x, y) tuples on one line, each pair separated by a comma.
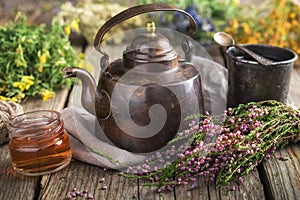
[(38, 143)]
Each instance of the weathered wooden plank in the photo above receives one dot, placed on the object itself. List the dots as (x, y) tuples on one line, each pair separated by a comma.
[(281, 178), (199, 192), (56, 103), (251, 188), (121, 187), (84, 176), (13, 185), (150, 193)]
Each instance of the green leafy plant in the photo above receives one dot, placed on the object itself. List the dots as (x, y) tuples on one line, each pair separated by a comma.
[(31, 59)]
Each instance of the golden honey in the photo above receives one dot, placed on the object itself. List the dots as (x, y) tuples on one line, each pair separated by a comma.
[(38, 143)]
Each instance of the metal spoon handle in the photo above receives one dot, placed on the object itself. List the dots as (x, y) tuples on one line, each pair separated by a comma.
[(258, 58)]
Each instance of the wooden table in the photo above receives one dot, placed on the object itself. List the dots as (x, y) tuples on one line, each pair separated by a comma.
[(275, 179)]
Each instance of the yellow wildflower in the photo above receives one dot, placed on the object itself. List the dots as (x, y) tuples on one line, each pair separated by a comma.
[(80, 64), (75, 25), (17, 98), (228, 29), (19, 85), (246, 28), (14, 99), (282, 3), (295, 22), (47, 94), (235, 24), (292, 15), (40, 68), (67, 30), (81, 56), (4, 98), (42, 57), (20, 95), (28, 81), (19, 50), (29, 41), (252, 40), (25, 83)]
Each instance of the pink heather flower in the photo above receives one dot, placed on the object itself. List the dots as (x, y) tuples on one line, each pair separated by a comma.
[(266, 112), (196, 127), (244, 127), (233, 188), (192, 123), (231, 120), (241, 181), (181, 155), (201, 144)]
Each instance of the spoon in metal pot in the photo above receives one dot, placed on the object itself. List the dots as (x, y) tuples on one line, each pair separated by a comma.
[(226, 40)]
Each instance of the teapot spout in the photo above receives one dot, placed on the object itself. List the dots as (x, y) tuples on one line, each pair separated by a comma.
[(91, 98)]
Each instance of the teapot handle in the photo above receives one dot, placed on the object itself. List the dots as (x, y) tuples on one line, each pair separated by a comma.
[(137, 10)]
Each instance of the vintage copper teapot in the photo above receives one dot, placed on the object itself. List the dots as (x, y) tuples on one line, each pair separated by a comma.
[(132, 91)]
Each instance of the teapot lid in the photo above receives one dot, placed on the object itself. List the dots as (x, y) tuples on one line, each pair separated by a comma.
[(150, 48)]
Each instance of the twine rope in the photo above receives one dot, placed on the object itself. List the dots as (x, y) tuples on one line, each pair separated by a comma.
[(8, 110)]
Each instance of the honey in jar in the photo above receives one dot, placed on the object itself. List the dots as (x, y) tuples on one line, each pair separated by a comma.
[(38, 143)]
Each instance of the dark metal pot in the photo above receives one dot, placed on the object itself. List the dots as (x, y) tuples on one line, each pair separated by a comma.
[(251, 81), (132, 90)]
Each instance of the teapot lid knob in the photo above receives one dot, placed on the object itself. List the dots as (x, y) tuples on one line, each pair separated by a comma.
[(150, 28)]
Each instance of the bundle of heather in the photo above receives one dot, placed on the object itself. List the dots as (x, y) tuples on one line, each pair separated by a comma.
[(239, 140)]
